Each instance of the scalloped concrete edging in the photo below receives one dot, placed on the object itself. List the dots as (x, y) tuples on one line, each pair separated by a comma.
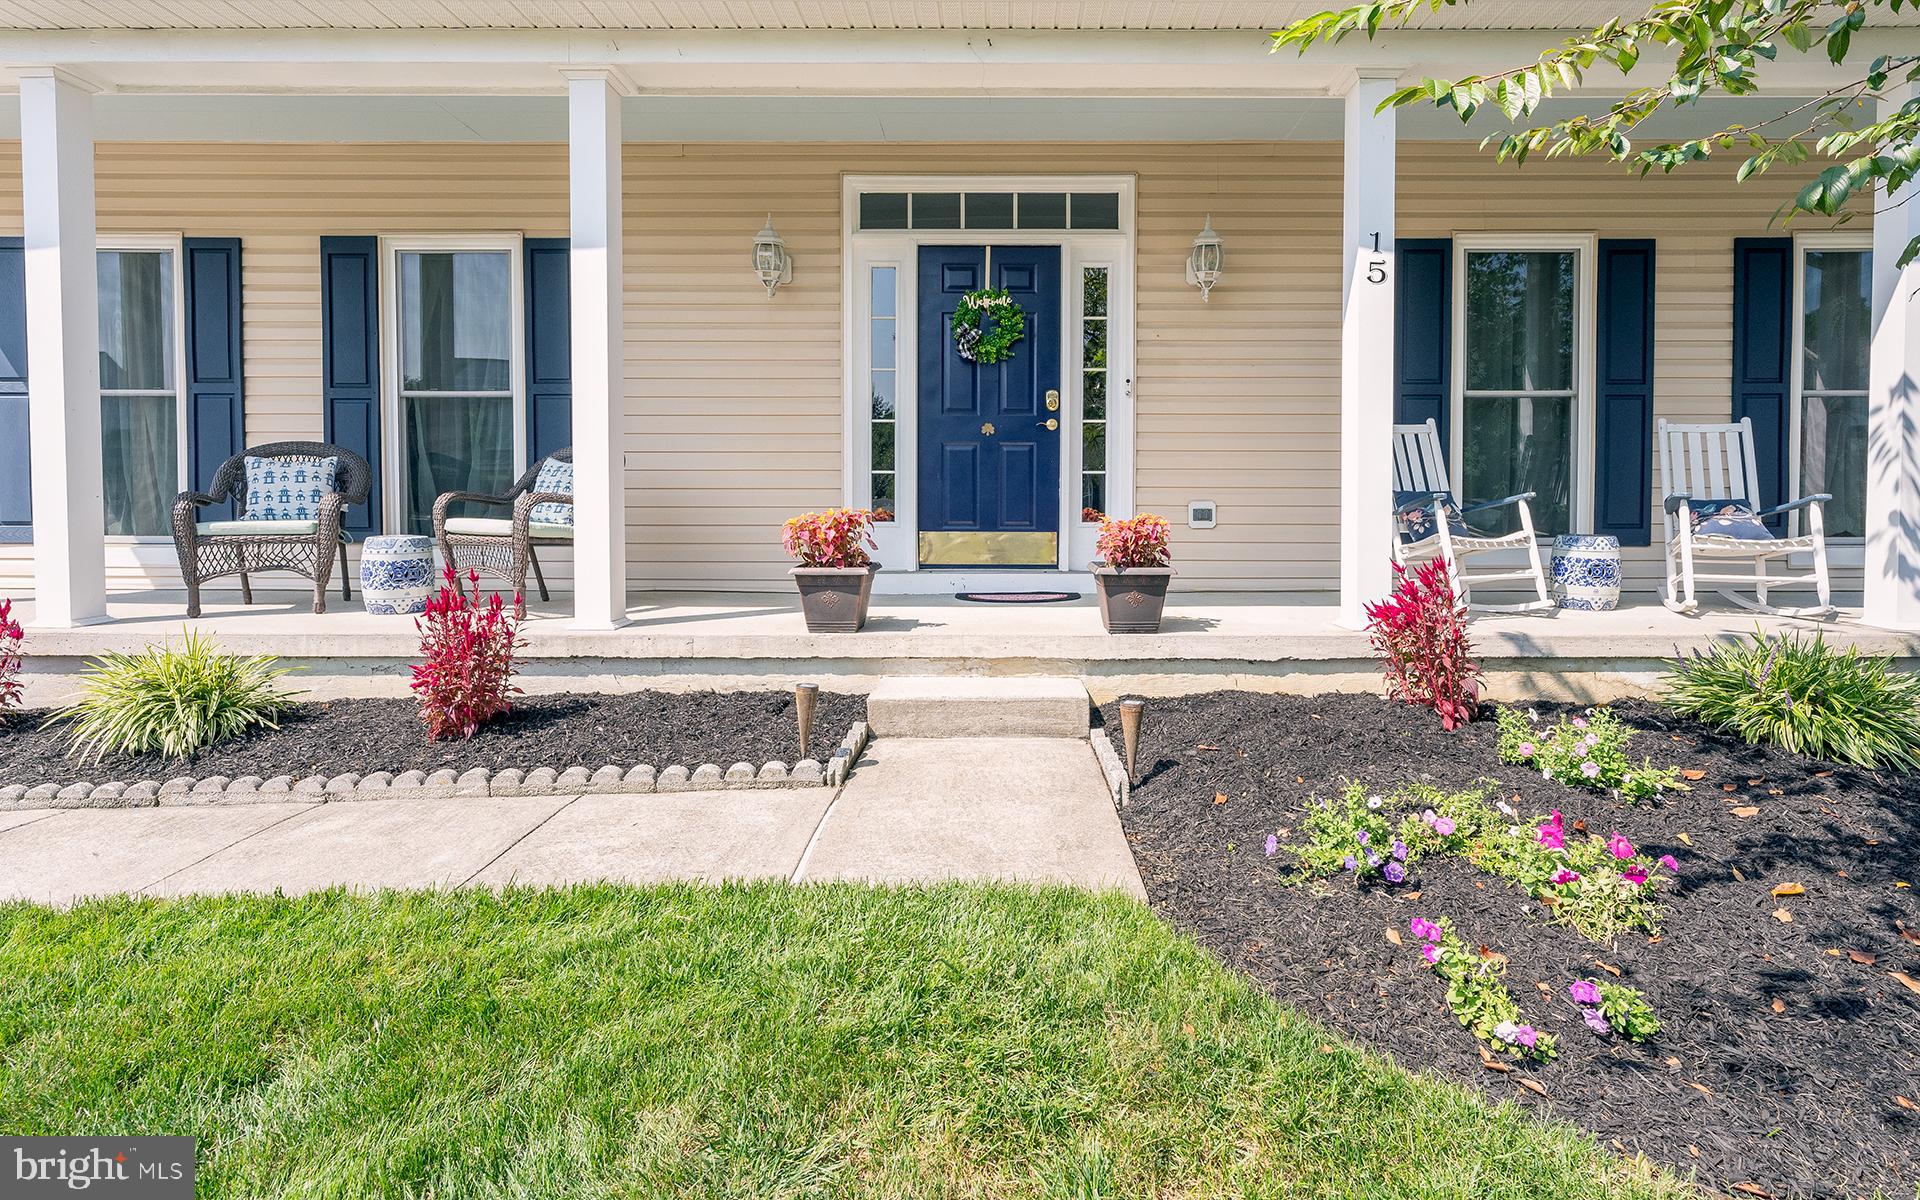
[(445, 783), (1112, 768)]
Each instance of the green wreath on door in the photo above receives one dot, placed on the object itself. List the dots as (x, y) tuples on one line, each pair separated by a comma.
[(981, 342)]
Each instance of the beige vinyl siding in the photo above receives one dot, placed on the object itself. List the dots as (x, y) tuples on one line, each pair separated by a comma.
[(1693, 215), (735, 400)]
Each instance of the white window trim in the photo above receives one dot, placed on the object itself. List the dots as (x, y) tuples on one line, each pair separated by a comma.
[(393, 470), (174, 244), (1841, 551), (1585, 248), (899, 248)]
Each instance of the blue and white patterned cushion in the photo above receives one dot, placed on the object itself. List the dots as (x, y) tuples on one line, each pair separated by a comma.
[(1727, 519), (1416, 524), (288, 489), (555, 477)]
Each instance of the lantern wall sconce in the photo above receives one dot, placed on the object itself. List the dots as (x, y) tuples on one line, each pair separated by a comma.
[(1205, 259), (771, 262)]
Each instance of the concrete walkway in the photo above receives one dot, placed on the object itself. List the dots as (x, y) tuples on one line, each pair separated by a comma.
[(913, 811)]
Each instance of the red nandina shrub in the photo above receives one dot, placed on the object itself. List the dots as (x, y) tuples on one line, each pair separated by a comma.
[(10, 636), (837, 537), (466, 678), (1134, 542), (1421, 633)]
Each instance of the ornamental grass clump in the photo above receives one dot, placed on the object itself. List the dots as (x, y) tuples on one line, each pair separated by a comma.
[(1420, 633), (465, 676), (11, 636), (1132, 542), (1586, 751), (1805, 697), (1477, 991), (175, 702), (1614, 1008), (838, 537)]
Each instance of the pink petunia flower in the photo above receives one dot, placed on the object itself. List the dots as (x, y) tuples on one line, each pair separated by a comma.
[(1584, 991), (1670, 863), (1634, 877), (1527, 749), (1579, 722), (1551, 837), (1431, 952), (1565, 876), (1619, 847), (1590, 769), (1443, 826)]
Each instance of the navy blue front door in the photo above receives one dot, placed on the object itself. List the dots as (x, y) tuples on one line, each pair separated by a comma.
[(989, 466)]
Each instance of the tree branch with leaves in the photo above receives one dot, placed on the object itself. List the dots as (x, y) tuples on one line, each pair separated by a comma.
[(1718, 47)]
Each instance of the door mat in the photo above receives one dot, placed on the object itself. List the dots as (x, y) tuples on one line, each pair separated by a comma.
[(1018, 597)]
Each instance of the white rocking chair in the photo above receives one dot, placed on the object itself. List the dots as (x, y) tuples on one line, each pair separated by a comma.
[(1710, 481), (1428, 524)]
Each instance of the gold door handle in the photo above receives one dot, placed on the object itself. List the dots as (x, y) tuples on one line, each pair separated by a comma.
[(1049, 423)]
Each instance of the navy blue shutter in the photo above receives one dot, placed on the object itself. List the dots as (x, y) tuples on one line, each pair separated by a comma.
[(1423, 333), (350, 359), (216, 408), (549, 347), (16, 477), (1623, 407), (1762, 346)]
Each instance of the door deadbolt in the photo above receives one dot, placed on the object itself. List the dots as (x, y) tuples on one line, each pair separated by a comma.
[(1053, 400)]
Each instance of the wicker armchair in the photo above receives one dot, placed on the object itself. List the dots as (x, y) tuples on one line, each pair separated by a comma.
[(503, 547), (241, 547)]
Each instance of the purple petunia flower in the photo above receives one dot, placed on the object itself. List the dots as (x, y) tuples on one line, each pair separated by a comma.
[(1527, 1036), (1670, 863), (1431, 952), (1443, 826), (1399, 849), (1584, 991), (1579, 722), (1347, 863), (1590, 769), (1361, 837), (1395, 873), (1426, 816), (1595, 1020), (1373, 860), (1273, 844)]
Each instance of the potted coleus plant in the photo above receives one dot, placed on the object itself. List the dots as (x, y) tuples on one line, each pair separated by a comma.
[(835, 575), (1132, 573)]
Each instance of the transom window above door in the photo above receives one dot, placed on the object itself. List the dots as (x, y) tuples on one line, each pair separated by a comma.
[(1521, 396), (989, 210), (459, 408)]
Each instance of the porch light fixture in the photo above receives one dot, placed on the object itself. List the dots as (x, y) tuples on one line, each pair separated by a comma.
[(771, 262), (1204, 260)]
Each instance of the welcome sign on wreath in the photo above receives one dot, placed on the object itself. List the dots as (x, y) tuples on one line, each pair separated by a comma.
[(972, 336)]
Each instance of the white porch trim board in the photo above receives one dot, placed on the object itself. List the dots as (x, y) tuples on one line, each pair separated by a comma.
[(63, 350), (1892, 583), (1366, 346), (597, 291)]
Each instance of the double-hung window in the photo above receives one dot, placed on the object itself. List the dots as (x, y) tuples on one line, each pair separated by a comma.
[(140, 350), (1830, 410), (459, 410), (1522, 397)]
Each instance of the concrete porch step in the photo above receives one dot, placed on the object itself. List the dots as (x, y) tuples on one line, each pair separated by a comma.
[(959, 707)]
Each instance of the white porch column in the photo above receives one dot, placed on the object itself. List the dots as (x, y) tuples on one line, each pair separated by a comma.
[(1892, 581), (599, 394), (63, 350), (1366, 347)]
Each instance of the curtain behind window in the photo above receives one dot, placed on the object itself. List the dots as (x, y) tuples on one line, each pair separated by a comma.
[(139, 408)]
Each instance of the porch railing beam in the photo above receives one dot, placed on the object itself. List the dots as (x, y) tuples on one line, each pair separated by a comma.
[(63, 349), (1892, 580), (599, 392), (1366, 345)]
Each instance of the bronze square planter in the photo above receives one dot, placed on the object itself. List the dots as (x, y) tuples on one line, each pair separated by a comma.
[(1132, 598), (835, 599)]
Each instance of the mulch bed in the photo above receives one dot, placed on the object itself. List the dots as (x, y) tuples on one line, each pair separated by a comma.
[(1784, 1045), (560, 731)]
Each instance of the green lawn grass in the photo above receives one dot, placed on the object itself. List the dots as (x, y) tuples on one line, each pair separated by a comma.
[(738, 1041)]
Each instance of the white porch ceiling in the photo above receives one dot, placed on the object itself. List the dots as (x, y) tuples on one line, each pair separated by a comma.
[(1188, 15)]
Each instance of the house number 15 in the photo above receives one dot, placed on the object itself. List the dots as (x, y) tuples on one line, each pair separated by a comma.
[(1376, 267)]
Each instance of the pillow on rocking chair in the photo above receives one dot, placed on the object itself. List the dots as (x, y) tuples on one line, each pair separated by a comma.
[(1416, 524), (555, 478), (1727, 519)]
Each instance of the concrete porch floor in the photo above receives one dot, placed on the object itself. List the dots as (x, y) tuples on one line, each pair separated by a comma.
[(1259, 641)]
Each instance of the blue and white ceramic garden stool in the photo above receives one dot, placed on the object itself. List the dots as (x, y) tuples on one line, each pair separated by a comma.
[(396, 573), (1586, 571)]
